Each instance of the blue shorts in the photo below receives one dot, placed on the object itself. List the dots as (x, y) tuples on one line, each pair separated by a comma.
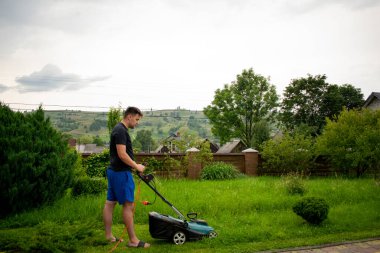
[(121, 186)]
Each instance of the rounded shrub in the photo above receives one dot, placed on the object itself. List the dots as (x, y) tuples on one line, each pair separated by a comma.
[(89, 185), (312, 209), (219, 171)]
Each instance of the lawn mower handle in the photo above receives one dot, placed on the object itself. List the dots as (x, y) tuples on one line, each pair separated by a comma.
[(149, 177)]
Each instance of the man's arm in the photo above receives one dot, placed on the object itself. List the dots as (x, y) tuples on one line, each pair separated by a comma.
[(122, 153)]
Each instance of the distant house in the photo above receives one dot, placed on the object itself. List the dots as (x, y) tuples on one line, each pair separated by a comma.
[(170, 147), (89, 149), (162, 149), (373, 101), (235, 146), (213, 147)]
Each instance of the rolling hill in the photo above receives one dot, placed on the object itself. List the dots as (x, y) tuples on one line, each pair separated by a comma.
[(161, 123)]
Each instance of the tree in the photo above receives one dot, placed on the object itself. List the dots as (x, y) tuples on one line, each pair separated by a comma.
[(302, 103), (97, 140), (309, 101), (239, 107), (86, 139), (144, 138), (351, 142), (114, 117), (36, 166)]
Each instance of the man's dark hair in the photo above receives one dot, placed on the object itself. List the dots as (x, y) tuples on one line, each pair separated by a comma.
[(133, 111)]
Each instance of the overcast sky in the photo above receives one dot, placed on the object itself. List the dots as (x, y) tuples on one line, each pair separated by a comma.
[(163, 54)]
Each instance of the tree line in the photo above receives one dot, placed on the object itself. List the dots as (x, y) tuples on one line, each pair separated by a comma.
[(314, 118)]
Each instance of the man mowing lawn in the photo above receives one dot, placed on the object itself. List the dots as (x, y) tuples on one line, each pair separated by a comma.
[(120, 179)]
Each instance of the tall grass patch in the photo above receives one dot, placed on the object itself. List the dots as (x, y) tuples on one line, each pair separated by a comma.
[(250, 214)]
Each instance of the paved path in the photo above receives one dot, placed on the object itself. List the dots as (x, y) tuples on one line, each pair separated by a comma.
[(362, 246)]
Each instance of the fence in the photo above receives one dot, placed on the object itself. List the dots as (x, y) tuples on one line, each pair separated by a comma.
[(246, 162)]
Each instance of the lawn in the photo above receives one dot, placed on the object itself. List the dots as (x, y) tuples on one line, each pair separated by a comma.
[(250, 214)]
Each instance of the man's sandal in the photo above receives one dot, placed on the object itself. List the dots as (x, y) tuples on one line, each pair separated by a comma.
[(141, 244)]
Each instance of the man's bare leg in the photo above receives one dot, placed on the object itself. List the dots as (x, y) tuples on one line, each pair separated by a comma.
[(107, 218), (129, 223)]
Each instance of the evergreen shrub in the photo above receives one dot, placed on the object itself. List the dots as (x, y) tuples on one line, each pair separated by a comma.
[(312, 209), (89, 185), (219, 171), (36, 162)]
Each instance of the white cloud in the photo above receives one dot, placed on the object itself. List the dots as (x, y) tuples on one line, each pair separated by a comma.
[(51, 78), (3, 88)]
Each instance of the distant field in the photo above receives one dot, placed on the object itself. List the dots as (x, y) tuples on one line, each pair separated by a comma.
[(161, 123)]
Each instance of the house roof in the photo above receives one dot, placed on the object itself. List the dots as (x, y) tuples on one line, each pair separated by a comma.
[(374, 95), (228, 147)]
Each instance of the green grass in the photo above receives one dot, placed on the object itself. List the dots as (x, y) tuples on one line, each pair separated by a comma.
[(250, 214)]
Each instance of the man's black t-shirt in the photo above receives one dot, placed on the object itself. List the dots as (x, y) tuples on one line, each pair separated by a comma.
[(120, 135)]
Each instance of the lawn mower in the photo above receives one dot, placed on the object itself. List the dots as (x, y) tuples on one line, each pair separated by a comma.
[(178, 230)]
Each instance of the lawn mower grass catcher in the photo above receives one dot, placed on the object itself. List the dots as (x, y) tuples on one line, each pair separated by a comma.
[(178, 230)]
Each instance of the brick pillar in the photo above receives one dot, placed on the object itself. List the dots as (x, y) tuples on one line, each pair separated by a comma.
[(194, 168), (251, 157)]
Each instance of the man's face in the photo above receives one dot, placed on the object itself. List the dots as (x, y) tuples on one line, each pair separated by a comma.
[(133, 120)]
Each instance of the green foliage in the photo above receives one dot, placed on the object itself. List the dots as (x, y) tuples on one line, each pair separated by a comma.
[(261, 134), (97, 125), (85, 139), (98, 141), (294, 183), (289, 153), (96, 164), (310, 100), (314, 210), (114, 117), (67, 124), (79, 170), (351, 142), (188, 139), (204, 156), (144, 140), (88, 185), (239, 107), (166, 164), (219, 171), (36, 163)]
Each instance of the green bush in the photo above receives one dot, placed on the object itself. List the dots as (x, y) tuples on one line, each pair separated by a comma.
[(96, 164), (294, 183), (314, 210), (219, 171), (289, 153), (351, 142), (166, 164), (36, 162), (88, 185)]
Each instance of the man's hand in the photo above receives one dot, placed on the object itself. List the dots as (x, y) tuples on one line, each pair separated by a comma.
[(140, 168)]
